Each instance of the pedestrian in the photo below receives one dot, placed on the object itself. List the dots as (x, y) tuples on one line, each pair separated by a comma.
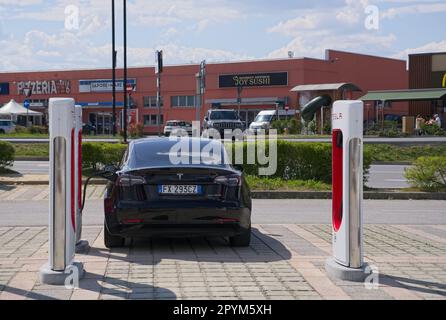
[(437, 120), (419, 122)]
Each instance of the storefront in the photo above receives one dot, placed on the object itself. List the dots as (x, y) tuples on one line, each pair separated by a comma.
[(251, 86), (428, 71)]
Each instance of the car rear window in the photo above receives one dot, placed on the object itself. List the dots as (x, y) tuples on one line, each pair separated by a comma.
[(177, 152)]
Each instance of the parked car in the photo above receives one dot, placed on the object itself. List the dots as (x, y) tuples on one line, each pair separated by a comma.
[(176, 127), (221, 120), (7, 126), (265, 118), (150, 195)]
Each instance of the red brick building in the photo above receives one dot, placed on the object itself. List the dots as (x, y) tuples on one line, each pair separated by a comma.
[(269, 82)]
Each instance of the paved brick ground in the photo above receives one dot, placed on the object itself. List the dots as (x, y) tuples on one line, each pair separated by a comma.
[(283, 262)]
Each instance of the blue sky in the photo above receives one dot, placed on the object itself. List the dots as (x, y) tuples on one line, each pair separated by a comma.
[(34, 34)]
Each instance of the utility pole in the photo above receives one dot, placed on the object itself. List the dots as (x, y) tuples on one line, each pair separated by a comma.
[(158, 71), (239, 98), (114, 53), (201, 88), (125, 71)]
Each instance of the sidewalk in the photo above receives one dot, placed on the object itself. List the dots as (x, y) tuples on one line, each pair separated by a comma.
[(283, 262)]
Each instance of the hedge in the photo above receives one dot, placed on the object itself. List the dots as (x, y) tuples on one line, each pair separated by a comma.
[(428, 173), (97, 155), (298, 161), (7, 153), (295, 161)]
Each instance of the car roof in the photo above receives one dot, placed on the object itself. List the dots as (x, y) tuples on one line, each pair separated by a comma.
[(268, 112)]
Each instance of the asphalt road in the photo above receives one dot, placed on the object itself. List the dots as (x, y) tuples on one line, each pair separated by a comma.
[(35, 213), (381, 176), (399, 141)]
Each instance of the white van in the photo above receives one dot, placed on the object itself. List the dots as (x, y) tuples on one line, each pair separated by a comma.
[(265, 118), (6, 126)]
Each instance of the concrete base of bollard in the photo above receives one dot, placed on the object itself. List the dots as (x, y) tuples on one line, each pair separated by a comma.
[(72, 274), (337, 271), (82, 247)]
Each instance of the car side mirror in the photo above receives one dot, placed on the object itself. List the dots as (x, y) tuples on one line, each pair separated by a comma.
[(206, 119), (238, 167)]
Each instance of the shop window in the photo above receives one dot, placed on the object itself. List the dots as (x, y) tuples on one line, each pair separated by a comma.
[(182, 101), (150, 102), (152, 120)]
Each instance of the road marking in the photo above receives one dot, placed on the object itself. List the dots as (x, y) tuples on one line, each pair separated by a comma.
[(17, 193), (42, 195)]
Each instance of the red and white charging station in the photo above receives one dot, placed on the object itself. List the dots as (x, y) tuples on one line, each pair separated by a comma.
[(347, 262), (64, 200)]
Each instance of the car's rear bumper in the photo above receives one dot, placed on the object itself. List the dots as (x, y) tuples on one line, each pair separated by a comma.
[(178, 222)]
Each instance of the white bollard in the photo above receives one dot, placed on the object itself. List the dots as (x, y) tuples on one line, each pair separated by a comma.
[(62, 213), (347, 262)]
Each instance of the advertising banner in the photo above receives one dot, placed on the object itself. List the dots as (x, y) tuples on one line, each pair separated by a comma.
[(103, 85)]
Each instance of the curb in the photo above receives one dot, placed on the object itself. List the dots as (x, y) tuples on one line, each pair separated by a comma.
[(368, 195), (44, 183), (392, 163), (32, 159)]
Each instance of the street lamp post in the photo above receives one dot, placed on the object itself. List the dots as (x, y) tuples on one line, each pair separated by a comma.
[(125, 72), (114, 53)]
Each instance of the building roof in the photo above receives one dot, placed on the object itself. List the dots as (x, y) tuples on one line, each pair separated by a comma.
[(406, 95), (326, 87)]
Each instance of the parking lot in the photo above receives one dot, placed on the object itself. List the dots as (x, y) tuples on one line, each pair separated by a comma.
[(285, 260)]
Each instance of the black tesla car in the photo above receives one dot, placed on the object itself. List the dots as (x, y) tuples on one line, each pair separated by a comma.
[(177, 187)]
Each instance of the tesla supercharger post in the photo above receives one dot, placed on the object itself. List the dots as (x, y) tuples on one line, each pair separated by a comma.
[(347, 262), (81, 245), (63, 199)]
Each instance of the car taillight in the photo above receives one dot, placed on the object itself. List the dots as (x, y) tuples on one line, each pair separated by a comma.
[(231, 181), (109, 206), (129, 180)]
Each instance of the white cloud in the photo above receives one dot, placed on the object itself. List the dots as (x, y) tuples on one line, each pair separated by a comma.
[(439, 46), (414, 9)]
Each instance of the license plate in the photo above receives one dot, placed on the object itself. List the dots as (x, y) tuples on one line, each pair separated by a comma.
[(179, 189)]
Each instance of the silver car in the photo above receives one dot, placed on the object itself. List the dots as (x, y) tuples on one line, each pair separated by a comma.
[(6, 126), (176, 127)]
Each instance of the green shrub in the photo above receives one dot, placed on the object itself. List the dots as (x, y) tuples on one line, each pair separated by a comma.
[(428, 173), (97, 155), (136, 131), (297, 161), (433, 130), (38, 130), (7, 153), (293, 126)]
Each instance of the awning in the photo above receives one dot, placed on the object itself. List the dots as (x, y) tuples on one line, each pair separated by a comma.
[(247, 101), (326, 87), (405, 95)]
